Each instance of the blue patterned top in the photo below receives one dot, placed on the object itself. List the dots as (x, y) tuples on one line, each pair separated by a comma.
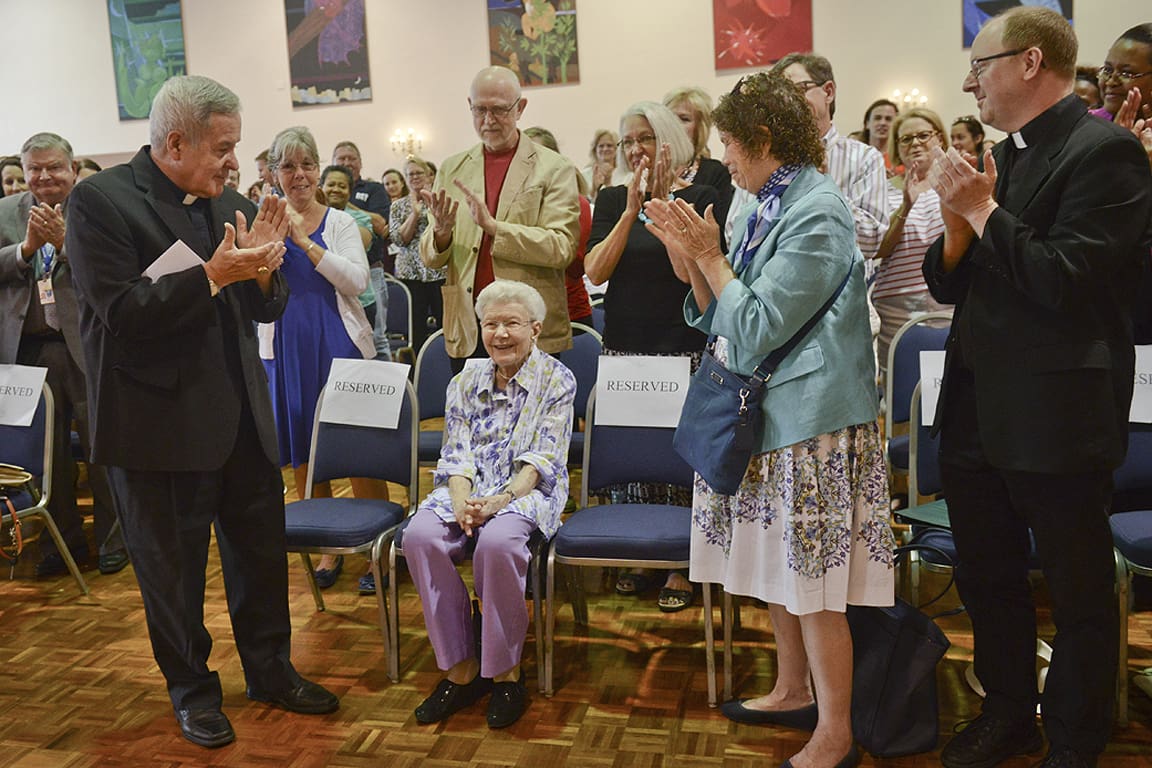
[(490, 435)]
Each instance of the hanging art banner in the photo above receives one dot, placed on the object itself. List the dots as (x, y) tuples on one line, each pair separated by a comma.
[(755, 33), (536, 39), (147, 49), (977, 13), (327, 51)]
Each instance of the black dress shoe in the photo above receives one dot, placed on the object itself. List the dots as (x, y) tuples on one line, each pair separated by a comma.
[(450, 697), (1065, 757), (206, 727), (990, 740), (850, 760), (113, 562), (307, 698), (53, 564), (508, 703), (803, 719)]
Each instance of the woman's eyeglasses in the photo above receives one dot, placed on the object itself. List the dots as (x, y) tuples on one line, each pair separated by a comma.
[(647, 140), (1106, 73), (923, 137)]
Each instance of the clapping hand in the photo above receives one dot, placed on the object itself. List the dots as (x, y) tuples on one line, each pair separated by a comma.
[(45, 225), (230, 264), (684, 233), (478, 209), (443, 209), (269, 226), (963, 190)]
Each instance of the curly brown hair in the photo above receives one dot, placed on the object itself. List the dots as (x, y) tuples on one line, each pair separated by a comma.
[(766, 113)]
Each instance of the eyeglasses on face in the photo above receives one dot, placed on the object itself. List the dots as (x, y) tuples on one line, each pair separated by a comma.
[(496, 112), (290, 168), (647, 140), (511, 326), (55, 169), (976, 67), (1106, 73), (923, 137)]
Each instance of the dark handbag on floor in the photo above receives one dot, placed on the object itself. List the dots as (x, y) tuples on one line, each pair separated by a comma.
[(721, 421), (895, 707)]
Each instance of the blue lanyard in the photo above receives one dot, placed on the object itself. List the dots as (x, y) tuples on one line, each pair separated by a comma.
[(47, 253)]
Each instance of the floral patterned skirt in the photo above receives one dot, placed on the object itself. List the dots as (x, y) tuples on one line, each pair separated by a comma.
[(807, 529)]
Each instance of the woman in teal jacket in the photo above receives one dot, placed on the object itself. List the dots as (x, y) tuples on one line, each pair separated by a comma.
[(807, 531)]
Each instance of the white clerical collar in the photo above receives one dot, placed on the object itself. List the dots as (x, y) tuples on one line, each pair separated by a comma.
[(190, 199), (1018, 140)]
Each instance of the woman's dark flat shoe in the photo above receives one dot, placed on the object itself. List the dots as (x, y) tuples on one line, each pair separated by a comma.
[(673, 600), (326, 577), (802, 719)]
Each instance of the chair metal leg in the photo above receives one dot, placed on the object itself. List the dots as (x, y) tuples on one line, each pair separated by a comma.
[(575, 582), (549, 622), (311, 575), (538, 614), (726, 618), (393, 615), (709, 645), (62, 548), (375, 563), (1123, 591)]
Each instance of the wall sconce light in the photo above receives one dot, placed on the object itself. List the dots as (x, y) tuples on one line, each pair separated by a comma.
[(406, 143), (914, 98)]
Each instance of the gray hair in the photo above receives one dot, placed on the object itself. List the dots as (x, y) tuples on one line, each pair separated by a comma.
[(185, 104), (667, 129), (290, 142), (42, 141), (512, 292)]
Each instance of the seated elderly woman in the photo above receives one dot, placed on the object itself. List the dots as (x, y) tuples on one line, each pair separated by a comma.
[(502, 475)]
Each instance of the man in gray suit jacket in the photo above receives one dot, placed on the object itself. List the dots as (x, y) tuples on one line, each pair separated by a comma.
[(39, 327)]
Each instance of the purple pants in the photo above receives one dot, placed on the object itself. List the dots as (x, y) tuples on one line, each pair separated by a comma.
[(433, 549)]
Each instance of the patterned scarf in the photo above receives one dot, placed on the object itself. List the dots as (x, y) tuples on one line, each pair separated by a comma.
[(760, 221)]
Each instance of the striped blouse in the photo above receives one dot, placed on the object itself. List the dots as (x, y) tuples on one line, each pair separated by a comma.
[(900, 273)]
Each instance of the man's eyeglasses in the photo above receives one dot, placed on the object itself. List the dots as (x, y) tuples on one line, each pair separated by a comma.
[(495, 112), (923, 137), (56, 169), (803, 86), (976, 67), (647, 140), (1106, 73), (290, 168)]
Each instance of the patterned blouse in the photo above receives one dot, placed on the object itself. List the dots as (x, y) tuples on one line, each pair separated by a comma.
[(408, 263), (491, 434)]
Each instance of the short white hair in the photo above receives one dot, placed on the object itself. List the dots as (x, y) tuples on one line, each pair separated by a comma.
[(512, 292), (186, 103), (667, 129)]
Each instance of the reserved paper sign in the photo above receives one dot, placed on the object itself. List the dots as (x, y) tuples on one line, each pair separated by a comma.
[(1141, 411), (931, 374), (641, 391), (364, 393), (20, 387)]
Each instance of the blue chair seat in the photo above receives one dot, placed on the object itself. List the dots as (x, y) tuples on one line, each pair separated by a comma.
[(898, 451), (339, 522), (1132, 535), (626, 531), (20, 499), (428, 446)]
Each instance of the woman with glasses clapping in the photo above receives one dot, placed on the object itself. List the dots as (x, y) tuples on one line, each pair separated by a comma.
[(900, 292)]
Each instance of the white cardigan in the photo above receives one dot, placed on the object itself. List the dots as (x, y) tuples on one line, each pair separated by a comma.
[(345, 265)]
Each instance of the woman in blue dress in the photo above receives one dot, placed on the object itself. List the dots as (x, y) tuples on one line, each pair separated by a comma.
[(326, 269)]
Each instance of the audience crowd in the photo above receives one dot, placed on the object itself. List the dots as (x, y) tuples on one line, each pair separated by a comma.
[(697, 257)]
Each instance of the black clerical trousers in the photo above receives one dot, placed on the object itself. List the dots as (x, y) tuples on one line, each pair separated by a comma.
[(167, 518), (991, 512)]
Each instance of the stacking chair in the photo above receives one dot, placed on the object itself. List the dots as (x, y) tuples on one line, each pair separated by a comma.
[(624, 535), (583, 360), (1132, 539), (343, 526), (399, 320), (31, 448), (903, 375), (537, 545), (433, 372), (598, 318)]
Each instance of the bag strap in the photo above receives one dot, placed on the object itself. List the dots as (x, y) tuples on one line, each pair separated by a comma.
[(17, 533), (768, 366), (915, 547)]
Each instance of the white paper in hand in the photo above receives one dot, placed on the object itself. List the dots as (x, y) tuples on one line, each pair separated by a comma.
[(177, 258)]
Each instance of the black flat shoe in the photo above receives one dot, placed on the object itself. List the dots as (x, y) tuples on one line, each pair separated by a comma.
[(449, 698), (802, 719), (53, 565), (307, 698), (113, 562), (326, 577), (850, 760), (508, 703), (206, 727)]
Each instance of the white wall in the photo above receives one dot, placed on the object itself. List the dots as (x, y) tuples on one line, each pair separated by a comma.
[(56, 62)]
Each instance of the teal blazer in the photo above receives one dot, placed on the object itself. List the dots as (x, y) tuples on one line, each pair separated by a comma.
[(828, 382)]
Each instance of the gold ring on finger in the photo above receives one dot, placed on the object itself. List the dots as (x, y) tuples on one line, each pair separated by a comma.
[(262, 270)]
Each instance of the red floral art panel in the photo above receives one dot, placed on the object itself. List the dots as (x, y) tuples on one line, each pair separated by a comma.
[(536, 39), (755, 33)]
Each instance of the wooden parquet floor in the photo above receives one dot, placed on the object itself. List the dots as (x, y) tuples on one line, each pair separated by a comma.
[(79, 688)]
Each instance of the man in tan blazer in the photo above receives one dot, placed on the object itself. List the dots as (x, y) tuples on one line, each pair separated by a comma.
[(520, 218)]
